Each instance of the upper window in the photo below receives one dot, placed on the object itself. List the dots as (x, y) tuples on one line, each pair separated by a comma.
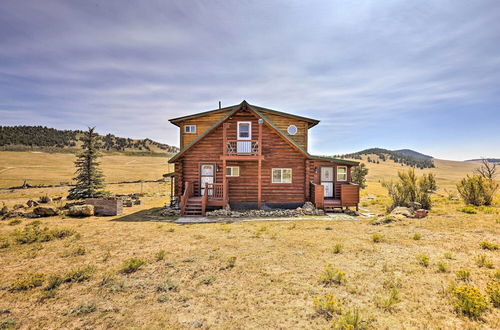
[(244, 130), (190, 129), (282, 175), (233, 171), (341, 173), (292, 129)]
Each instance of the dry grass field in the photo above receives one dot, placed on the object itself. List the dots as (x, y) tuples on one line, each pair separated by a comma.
[(257, 275)]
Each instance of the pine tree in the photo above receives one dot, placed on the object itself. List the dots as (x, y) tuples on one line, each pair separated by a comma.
[(89, 178), (359, 175)]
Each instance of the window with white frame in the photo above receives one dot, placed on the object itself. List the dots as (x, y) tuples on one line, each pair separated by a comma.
[(282, 175), (190, 129), (341, 173), (244, 130), (233, 171)]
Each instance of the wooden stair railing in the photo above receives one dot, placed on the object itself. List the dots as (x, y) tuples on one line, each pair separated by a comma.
[(188, 192), (204, 199), (349, 195), (318, 195)]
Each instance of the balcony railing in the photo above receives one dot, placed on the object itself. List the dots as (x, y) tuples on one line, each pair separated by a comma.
[(242, 147)]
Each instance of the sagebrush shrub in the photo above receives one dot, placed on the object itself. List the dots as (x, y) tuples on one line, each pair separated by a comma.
[(485, 245), (388, 302), (469, 301), (377, 238), (167, 285), (463, 275), (468, 209), (327, 305), (493, 292), (53, 282), (332, 275), (442, 268), (477, 190), (79, 274), (28, 282), (417, 237), (160, 255), (411, 189), (482, 260), (132, 265), (423, 259), (351, 320), (337, 248), (85, 308)]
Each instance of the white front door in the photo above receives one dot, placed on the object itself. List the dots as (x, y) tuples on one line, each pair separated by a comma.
[(207, 172), (327, 180)]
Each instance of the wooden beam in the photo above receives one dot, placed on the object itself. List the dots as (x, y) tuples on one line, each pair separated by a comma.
[(225, 191), (224, 139), (260, 137), (259, 185), (307, 182)]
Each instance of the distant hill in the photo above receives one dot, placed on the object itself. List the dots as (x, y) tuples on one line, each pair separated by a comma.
[(412, 153), (25, 138), (491, 160), (404, 156)]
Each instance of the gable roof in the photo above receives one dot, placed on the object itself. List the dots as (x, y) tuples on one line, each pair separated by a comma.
[(259, 114), (311, 122)]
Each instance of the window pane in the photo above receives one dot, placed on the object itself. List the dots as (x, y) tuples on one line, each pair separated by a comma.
[(287, 175), (341, 170), (244, 130), (207, 170), (276, 175), (228, 171), (236, 171)]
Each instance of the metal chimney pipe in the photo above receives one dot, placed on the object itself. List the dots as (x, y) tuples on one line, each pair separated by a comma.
[(219, 105)]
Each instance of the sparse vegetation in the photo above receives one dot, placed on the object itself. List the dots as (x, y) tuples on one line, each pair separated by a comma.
[(442, 267), (32, 233), (377, 238), (463, 275), (337, 248), (332, 275), (327, 305), (351, 320), (469, 209), (483, 260), (423, 259), (417, 237), (469, 301), (485, 245), (389, 301), (132, 265), (410, 189), (160, 255), (28, 282)]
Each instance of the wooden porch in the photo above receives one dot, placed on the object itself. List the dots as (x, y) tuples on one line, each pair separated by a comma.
[(215, 195), (349, 197)]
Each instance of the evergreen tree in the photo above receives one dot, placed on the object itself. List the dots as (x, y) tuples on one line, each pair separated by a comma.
[(359, 175), (89, 178)]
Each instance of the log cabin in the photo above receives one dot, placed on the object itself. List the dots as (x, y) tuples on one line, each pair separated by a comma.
[(248, 156)]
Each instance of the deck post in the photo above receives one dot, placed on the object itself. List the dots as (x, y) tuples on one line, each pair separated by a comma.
[(260, 138), (224, 181), (307, 190), (259, 185)]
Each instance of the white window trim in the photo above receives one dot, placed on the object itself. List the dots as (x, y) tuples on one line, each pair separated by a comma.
[(290, 126), (281, 171), (186, 127), (249, 130), (232, 167), (342, 173)]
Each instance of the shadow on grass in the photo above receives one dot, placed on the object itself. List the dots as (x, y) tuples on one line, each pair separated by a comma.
[(152, 214)]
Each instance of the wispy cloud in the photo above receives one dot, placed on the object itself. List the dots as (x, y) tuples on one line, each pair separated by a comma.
[(361, 67)]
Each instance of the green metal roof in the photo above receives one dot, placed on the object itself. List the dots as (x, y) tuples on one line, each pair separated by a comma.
[(313, 122)]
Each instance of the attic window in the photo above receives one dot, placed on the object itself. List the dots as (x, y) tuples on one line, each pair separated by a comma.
[(191, 129), (292, 129)]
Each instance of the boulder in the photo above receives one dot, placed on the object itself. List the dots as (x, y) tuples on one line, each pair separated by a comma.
[(4, 210), (137, 202), (81, 210), (127, 203), (308, 206), (46, 211), (169, 212), (404, 211)]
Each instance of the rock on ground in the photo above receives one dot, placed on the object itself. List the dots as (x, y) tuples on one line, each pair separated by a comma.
[(46, 211), (81, 210)]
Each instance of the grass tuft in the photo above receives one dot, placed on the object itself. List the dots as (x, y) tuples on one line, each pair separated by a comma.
[(423, 259), (28, 282), (131, 265), (485, 245), (331, 275)]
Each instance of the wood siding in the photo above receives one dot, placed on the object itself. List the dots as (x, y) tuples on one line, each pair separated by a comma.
[(278, 154), (202, 124), (282, 122)]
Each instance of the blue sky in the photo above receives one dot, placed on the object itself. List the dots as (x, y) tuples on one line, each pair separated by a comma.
[(423, 75)]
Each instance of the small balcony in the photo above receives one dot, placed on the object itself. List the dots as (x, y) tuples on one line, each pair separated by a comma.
[(241, 149)]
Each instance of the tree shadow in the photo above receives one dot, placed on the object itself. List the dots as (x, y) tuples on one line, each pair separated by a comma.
[(152, 214)]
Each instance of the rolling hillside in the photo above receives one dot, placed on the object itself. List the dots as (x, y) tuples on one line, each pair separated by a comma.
[(403, 156), (40, 138)]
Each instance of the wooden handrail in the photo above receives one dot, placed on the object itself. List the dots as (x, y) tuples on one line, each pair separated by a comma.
[(204, 200), (318, 195), (188, 192)]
